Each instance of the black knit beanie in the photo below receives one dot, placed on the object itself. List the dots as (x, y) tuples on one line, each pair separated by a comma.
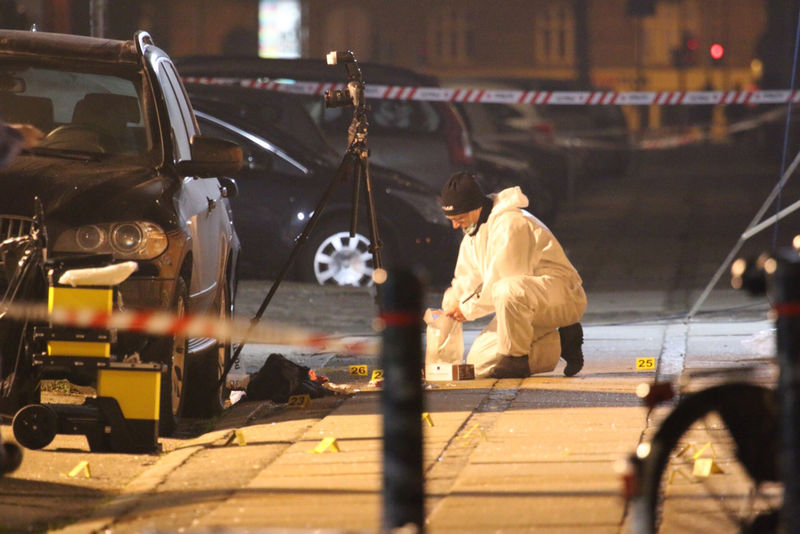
[(461, 194)]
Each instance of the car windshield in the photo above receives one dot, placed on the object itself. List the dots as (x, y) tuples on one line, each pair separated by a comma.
[(386, 116), (77, 110)]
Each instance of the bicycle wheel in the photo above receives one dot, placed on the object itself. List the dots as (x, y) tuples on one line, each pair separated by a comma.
[(732, 427)]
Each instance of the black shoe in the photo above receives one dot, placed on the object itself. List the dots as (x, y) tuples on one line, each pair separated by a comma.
[(511, 367), (571, 341)]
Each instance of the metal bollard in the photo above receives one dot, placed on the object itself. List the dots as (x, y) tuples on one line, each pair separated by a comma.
[(401, 401), (785, 295)]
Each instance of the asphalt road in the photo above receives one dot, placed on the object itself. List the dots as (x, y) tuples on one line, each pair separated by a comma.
[(645, 244)]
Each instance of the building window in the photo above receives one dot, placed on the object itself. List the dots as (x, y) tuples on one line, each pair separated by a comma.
[(449, 36), (554, 34), (279, 28)]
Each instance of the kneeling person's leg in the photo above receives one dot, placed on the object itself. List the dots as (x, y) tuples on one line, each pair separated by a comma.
[(515, 332), (529, 311), (489, 362), (562, 305), (483, 352)]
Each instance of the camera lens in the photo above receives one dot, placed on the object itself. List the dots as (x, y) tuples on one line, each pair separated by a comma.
[(338, 98)]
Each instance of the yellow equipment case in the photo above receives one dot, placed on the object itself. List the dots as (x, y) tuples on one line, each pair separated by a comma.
[(123, 416)]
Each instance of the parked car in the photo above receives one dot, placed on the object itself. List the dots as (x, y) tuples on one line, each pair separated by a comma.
[(426, 140), (423, 139), (123, 173), (593, 139), (495, 129), (286, 175), (502, 168)]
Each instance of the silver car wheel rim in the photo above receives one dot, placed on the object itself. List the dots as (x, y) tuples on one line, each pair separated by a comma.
[(178, 361), (222, 348), (344, 260)]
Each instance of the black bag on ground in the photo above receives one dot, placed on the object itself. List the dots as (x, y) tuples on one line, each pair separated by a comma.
[(280, 378)]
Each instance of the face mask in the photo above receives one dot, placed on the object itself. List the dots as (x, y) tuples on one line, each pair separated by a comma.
[(469, 230)]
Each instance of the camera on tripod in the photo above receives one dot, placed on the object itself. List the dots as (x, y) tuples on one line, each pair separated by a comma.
[(353, 95), (338, 98)]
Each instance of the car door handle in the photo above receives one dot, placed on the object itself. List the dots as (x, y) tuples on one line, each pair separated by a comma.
[(211, 203)]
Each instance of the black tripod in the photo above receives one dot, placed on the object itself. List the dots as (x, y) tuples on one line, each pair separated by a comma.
[(355, 166)]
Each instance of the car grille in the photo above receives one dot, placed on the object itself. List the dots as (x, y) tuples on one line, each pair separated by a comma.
[(11, 226)]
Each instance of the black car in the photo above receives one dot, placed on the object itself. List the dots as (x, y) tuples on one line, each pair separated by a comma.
[(426, 140), (121, 173), (284, 178)]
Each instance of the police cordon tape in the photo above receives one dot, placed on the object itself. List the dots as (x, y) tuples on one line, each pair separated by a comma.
[(512, 96), (160, 323), (658, 139)]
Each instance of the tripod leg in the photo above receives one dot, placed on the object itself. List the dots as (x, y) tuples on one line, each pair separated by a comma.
[(379, 274), (376, 244), (349, 164), (354, 209)]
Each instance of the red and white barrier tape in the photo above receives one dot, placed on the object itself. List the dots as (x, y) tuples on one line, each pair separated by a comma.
[(161, 323), (655, 140), (510, 96)]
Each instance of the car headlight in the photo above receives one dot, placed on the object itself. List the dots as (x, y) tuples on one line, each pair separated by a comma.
[(130, 240), (90, 237), (426, 205)]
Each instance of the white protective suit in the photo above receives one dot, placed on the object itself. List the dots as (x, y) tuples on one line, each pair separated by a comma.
[(524, 278)]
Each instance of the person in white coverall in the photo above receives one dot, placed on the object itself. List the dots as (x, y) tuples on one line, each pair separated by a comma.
[(510, 264)]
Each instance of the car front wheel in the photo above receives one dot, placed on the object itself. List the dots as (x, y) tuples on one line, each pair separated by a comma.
[(333, 257), (173, 378), (205, 397)]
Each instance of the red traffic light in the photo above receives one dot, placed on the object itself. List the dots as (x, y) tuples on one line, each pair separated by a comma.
[(716, 51)]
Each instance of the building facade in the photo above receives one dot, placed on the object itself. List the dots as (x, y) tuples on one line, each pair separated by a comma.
[(612, 44), (539, 39), (601, 42), (506, 38)]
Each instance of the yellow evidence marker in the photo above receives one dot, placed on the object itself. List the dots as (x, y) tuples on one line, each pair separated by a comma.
[(327, 444), (477, 426), (645, 364), (299, 401), (82, 466), (704, 467), (358, 370)]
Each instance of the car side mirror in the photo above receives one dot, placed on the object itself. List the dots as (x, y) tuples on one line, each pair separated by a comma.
[(211, 157)]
